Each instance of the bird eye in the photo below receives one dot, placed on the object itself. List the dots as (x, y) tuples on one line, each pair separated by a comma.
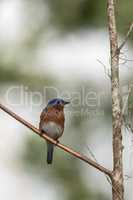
[(58, 102)]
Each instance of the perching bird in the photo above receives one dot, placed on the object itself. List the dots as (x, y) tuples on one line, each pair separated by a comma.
[(52, 123)]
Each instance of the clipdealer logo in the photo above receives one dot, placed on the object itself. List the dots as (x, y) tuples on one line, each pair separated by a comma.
[(82, 100)]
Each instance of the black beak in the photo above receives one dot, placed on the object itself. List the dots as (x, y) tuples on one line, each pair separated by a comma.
[(66, 102)]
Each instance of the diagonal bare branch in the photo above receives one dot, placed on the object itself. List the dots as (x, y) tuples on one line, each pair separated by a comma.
[(65, 148)]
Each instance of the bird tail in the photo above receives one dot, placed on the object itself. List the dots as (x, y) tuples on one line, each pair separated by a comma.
[(50, 150)]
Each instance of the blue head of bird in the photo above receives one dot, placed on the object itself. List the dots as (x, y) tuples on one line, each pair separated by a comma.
[(57, 103)]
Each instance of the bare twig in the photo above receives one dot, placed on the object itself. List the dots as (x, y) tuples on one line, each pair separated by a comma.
[(128, 177), (126, 59), (91, 153), (105, 68), (126, 100), (126, 38), (129, 128), (65, 148), (127, 124)]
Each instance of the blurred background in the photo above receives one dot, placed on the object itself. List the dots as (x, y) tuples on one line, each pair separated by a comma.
[(60, 48)]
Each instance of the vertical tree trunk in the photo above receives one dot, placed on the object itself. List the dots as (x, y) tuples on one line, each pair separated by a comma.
[(117, 178)]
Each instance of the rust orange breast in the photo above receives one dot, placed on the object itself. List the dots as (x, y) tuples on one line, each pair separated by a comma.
[(53, 115)]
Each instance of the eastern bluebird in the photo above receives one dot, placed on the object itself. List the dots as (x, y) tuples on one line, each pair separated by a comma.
[(52, 123)]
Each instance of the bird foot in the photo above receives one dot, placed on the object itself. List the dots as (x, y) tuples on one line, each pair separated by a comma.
[(57, 141)]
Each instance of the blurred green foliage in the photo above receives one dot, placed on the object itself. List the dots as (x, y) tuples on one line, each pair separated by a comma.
[(79, 14), (124, 15), (34, 81)]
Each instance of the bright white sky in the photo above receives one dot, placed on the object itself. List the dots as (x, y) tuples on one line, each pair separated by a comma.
[(10, 19)]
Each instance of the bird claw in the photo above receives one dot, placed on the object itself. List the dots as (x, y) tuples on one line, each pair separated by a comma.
[(57, 141)]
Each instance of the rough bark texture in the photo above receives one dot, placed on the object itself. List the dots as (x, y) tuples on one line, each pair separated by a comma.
[(117, 178)]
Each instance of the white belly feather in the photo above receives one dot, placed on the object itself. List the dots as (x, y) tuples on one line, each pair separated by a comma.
[(52, 129)]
